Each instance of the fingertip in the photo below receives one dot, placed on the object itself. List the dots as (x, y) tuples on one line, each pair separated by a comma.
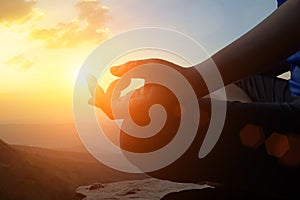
[(116, 70), (114, 83), (90, 78), (120, 70), (91, 101), (92, 83)]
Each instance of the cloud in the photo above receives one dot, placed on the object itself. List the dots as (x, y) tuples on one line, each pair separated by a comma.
[(15, 10), (21, 62), (87, 27)]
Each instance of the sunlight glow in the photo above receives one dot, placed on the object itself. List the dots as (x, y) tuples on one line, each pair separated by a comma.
[(42, 50)]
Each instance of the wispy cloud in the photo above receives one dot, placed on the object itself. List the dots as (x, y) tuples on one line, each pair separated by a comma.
[(25, 31), (87, 27), (21, 62), (16, 10)]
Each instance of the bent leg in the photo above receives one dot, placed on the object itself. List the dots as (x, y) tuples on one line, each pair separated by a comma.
[(233, 164), (262, 88)]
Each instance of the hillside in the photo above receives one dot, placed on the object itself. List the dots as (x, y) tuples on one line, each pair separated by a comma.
[(53, 136), (38, 173)]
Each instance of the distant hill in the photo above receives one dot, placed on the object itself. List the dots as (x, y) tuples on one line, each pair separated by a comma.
[(43, 174), (53, 136)]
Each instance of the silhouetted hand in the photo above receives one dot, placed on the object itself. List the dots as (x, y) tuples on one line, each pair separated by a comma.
[(190, 73), (141, 99), (99, 98)]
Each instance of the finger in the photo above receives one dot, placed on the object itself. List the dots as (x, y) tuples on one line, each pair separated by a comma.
[(124, 68), (91, 101), (99, 97), (111, 88), (121, 86), (92, 83)]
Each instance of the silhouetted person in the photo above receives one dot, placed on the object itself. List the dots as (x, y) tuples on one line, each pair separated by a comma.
[(252, 62)]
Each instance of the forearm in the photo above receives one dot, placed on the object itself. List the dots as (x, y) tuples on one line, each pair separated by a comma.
[(273, 40)]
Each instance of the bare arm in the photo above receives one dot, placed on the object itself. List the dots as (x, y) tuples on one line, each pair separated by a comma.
[(263, 49), (273, 40)]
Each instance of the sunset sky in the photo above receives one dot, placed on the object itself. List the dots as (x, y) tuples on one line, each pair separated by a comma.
[(45, 42)]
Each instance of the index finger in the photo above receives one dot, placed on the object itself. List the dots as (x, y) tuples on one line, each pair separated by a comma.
[(124, 68), (92, 83)]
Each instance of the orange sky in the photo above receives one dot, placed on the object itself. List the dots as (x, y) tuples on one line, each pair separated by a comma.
[(44, 44), (42, 48)]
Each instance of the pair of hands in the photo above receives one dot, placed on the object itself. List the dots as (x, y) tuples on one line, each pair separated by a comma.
[(142, 98)]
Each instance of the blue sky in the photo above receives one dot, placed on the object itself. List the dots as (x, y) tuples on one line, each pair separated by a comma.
[(213, 23)]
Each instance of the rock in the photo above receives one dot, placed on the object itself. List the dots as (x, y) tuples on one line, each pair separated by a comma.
[(151, 189), (217, 193), (96, 186)]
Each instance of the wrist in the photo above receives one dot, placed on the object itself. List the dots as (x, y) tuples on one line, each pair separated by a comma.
[(197, 82)]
